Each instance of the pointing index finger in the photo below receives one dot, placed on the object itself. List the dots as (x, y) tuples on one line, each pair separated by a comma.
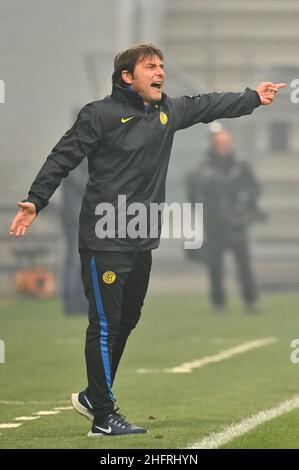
[(280, 85)]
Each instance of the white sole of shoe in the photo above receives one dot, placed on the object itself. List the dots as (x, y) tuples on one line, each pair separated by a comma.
[(80, 408), (95, 434), (98, 434)]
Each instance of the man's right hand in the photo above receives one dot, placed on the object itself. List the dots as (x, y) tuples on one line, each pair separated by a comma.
[(268, 90), (23, 219)]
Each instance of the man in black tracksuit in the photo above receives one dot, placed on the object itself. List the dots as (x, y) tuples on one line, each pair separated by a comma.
[(127, 139)]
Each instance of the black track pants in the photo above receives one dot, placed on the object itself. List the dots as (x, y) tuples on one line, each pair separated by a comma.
[(115, 284)]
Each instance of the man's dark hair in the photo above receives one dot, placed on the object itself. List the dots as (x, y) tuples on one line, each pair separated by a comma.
[(128, 59)]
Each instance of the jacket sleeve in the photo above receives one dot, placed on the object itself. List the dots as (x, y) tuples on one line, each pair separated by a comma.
[(190, 110), (78, 142)]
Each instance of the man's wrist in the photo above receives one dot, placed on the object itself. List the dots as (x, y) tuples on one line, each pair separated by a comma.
[(258, 98), (28, 200), (255, 96), (37, 201)]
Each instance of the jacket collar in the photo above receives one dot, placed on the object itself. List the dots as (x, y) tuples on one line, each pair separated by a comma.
[(130, 96)]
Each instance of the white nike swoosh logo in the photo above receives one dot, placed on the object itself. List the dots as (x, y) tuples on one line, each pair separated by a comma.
[(88, 402), (108, 430)]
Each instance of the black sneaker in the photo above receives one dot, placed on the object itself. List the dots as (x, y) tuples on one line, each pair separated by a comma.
[(82, 405), (114, 425)]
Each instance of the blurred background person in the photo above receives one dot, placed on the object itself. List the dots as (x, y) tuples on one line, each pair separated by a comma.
[(230, 191), (72, 292)]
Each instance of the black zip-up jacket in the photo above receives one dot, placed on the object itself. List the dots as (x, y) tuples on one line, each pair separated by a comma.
[(128, 147)]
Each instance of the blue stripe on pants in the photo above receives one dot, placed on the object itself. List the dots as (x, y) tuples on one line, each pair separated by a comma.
[(103, 326)]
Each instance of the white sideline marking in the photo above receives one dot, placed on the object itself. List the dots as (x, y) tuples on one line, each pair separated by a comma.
[(63, 408), (149, 371), (187, 367), (26, 418), (10, 425), (55, 411), (233, 431)]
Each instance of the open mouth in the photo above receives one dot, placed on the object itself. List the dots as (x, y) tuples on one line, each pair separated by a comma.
[(157, 85)]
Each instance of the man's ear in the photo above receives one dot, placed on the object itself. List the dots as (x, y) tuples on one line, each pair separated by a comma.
[(127, 77)]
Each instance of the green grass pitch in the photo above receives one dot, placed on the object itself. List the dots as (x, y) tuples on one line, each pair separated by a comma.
[(45, 363)]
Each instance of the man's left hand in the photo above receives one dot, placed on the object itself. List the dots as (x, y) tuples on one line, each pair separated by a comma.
[(268, 90)]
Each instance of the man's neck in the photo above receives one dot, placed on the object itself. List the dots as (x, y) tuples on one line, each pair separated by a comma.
[(131, 88)]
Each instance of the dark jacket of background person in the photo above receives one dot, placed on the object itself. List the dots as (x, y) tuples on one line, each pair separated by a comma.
[(230, 191)]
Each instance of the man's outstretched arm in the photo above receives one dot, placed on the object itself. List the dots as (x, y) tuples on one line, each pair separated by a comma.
[(77, 142), (210, 106)]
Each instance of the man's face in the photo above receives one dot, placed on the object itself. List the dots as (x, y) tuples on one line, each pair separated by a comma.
[(147, 79), (222, 143)]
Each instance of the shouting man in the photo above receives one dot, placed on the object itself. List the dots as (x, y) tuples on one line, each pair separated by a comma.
[(127, 139)]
